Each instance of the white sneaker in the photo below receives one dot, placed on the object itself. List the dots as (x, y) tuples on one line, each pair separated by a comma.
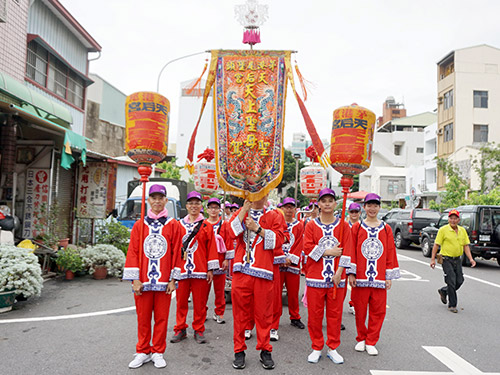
[(274, 335), (219, 319), (360, 346), (248, 334), (371, 350), (158, 360), (139, 360), (314, 356), (351, 310), (335, 357)]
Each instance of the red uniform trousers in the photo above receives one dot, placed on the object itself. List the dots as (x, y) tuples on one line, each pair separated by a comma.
[(292, 282), (249, 294), (219, 282), (198, 288), (277, 297), (374, 300), (317, 298), (146, 304)]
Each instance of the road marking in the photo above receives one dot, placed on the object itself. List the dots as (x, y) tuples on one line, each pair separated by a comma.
[(407, 258), (71, 316), (411, 276), (454, 362)]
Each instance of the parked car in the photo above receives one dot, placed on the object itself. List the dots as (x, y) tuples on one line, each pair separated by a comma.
[(407, 223), (483, 227)]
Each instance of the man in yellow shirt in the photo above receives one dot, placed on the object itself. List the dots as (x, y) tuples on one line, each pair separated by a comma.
[(453, 240)]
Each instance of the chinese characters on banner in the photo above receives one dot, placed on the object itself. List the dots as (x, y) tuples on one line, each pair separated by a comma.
[(91, 198), (36, 200), (146, 132), (250, 91)]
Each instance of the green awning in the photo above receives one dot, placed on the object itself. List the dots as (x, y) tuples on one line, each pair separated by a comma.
[(34, 102), (72, 140)]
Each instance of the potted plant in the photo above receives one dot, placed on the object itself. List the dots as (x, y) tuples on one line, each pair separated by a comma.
[(20, 274), (51, 226), (103, 256), (70, 261)]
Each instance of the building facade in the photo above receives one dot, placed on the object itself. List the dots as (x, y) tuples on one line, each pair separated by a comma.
[(468, 82)]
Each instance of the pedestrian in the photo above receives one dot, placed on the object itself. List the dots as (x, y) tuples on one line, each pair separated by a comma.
[(227, 210), (194, 269), (454, 241), (150, 267), (374, 266), (234, 208), (354, 216), (327, 258), (258, 232), (225, 253), (290, 270)]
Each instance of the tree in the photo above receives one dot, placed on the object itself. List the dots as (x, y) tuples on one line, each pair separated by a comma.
[(487, 165), (171, 169), (455, 189)]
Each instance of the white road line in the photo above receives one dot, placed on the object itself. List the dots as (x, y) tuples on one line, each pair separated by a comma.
[(407, 258), (72, 316), (455, 363)]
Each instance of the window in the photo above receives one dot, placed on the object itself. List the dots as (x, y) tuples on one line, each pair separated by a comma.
[(480, 134), (392, 186), (448, 99), (448, 132), (420, 150), (50, 72), (397, 150), (480, 99)]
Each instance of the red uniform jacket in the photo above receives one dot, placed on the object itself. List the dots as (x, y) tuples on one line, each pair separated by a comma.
[(317, 238), (293, 248), (373, 255), (154, 266), (222, 228), (201, 252), (259, 262)]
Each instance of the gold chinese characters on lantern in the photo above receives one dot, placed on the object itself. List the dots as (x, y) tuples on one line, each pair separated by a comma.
[(352, 139), (147, 120)]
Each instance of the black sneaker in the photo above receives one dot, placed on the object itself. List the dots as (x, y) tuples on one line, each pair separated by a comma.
[(442, 294), (199, 338), (342, 327), (266, 360), (297, 323), (239, 360), (179, 336)]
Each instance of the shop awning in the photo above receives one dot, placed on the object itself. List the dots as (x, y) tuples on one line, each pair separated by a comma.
[(34, 102), (72, 140)]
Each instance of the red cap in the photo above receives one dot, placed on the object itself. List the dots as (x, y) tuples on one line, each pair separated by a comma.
[(454, 212)]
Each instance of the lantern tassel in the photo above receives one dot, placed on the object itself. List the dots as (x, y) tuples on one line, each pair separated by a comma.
[(197, 84), (302, 81)]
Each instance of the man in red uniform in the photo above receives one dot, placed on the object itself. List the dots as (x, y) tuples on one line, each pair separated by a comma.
[(225, 252), (150, 268), (290, 270), (327, 257), (354, 215), (374, 265), (258, 233), (194, 269)]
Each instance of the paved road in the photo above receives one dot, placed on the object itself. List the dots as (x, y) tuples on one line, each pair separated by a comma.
[(419, 334)]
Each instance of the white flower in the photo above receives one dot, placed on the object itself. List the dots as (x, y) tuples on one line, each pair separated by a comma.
[(104, 255)]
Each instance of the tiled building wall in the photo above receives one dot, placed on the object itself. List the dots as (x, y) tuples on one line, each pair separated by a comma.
[(13, 41)]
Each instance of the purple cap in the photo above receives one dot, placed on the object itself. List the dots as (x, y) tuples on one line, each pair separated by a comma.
[(213, 200), (194, 195), (158, 189), (372, 197), (354, 207), (235, 205), (326, 191), (289, 200), (280, 205)]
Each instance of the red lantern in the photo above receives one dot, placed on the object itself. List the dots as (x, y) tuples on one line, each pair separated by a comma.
[(146, 132), (352, 139), (312, 180)]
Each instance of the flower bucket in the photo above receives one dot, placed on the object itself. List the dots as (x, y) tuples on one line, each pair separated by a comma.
[(70, 275), (7, 298), (100, 273)]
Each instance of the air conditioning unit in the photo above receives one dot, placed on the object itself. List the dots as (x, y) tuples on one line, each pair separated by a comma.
[(440, 100), (3, 11)]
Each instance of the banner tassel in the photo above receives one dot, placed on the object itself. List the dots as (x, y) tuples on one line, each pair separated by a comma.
[(197, 84), (302, 81)]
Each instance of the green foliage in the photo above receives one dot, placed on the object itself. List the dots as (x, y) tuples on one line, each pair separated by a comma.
[(69, 259), (289, 170), (171, 169), (113, 233), (50, 226), (488, 164), (492, 198)]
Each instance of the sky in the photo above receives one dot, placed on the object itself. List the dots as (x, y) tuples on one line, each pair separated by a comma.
[(352, 51)]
